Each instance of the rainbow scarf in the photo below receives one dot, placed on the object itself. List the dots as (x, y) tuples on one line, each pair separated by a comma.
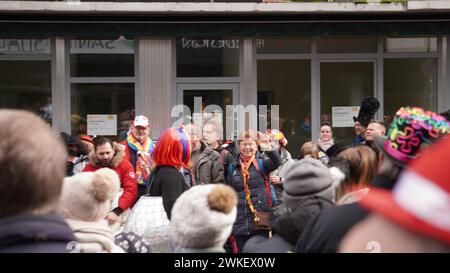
[(143, 158)]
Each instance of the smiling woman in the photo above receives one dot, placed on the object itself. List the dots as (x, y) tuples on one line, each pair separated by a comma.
[(248, 177)]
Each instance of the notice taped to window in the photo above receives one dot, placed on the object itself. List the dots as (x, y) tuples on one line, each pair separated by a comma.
[(342, 116), (102, 125)]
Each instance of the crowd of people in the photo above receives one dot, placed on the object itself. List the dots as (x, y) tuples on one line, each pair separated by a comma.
[(75, 193)]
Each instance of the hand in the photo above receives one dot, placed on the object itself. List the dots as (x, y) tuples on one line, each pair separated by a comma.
[(112, 218), (275, 179), (266, 142)]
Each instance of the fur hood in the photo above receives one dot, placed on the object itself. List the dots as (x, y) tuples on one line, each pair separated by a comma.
[(119, 155)]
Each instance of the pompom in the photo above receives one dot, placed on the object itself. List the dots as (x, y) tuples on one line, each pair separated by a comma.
[(105, 184), (337, 176), (222, 199)]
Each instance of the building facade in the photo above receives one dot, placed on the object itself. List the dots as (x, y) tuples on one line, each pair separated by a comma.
[(316, 61)]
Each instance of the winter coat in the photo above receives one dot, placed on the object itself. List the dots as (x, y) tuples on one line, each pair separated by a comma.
[(35, 234), (130, 154), (286, 162), (310, 199), (228, 155), (126, 174), (258, 193), (168, 182), (208, 168), (326, 230), (93, 237)]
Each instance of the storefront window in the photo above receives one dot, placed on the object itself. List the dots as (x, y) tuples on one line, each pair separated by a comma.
[(409, 82), (102, 99), (342, 87), (24, 46), (424, 44), (102, 58), (287, 83), (207, 57), (283, 45), (26, 85), (101, 61), (347, 45)]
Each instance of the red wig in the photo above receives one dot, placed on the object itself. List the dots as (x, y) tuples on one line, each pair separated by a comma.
[(173, 148)]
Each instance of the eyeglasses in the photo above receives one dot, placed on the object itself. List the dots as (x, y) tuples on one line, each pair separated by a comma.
[(249, 144)]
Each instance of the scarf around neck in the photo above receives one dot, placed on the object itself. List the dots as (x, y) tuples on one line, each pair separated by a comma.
[(143, 159), (325, 145)]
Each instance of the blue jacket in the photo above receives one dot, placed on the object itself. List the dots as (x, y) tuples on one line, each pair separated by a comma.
[(257, 185)]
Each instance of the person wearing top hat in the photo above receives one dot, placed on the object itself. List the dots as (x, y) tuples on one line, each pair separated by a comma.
[(412, 129), (369, 106), (415, 215)]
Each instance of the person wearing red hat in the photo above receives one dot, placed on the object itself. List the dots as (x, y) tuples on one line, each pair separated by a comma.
[(415, 215), (138, 150), (111, 155), (88, 142)]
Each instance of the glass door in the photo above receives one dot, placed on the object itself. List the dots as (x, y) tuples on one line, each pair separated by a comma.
[(342, 85), (207, 97)]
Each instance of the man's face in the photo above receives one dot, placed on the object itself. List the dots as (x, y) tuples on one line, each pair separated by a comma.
[(209, 134), (373, 130), (105, 154), (359, 129), (141, 133)]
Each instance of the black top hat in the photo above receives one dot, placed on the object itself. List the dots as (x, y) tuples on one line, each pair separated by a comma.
[(369, 106)]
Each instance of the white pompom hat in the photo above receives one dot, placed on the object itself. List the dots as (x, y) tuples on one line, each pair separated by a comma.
[(87, 196), (203, 216)]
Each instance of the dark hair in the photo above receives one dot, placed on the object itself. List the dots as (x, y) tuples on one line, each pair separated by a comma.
[(73, 145), (98, 141), (446, 114), (325, 124)]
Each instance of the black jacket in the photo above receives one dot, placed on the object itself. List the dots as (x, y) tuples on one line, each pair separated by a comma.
[(326, 230), (289, 227), (168, 182), (256, 183), (35, 234)]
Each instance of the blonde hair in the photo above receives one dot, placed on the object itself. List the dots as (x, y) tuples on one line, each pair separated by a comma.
[(248, 135), (32, 164), (363, 164), (308, 148)]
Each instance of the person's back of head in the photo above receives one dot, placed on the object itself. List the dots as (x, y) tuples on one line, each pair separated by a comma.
[(415, 215), (203, 217), (308, 149), (363, 165), (32, 165), (306, 178)]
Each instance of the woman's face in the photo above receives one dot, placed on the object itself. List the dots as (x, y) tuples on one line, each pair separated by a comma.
[(248, 148), (325, 133)]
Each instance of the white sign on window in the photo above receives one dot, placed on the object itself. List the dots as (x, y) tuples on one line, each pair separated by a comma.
[(102, 125), (24, 46), (210, 43), (342, 116), (119, 46), (42, 46)]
